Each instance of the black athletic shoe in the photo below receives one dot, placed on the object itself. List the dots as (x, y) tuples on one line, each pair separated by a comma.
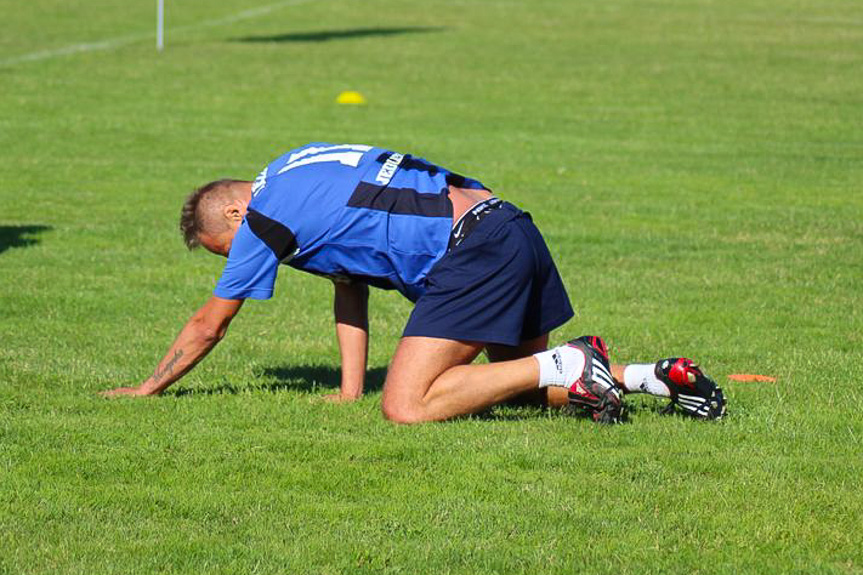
[(595, 391), (691, 390)]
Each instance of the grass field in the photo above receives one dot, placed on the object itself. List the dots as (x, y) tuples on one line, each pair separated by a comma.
[(696, 167)]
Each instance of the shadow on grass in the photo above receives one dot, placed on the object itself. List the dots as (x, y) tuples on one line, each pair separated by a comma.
[(304, 378), (312, 378), (522, 412), (514, 411), (329, 35), (17, 236)]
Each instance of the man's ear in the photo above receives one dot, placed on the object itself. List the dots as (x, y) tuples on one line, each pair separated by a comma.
[(235, 211)]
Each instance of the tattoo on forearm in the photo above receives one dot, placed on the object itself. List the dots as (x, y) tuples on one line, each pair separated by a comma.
[(168, 368)]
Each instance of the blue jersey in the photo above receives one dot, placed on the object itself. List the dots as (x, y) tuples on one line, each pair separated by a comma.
[(343, 211)]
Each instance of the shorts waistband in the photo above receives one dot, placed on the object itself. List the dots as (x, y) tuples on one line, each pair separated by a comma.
[(469, 220)]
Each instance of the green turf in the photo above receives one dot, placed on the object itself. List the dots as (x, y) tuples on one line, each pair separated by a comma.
[(696, 167)]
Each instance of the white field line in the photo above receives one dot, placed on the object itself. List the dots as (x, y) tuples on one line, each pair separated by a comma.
[(120, 41)]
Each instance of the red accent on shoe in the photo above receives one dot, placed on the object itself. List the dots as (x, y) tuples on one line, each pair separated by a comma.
[(579, 388), (680, 371), (599, 345)]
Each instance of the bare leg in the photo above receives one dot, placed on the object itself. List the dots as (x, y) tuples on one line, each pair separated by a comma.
[(430, 380), (617, 374), (549, 396)]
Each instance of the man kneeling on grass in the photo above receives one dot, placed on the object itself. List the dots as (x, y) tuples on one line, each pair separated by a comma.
[(476, 267)]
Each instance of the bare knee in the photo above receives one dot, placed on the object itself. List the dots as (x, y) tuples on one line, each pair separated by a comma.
[(412, 391), (402, 412)]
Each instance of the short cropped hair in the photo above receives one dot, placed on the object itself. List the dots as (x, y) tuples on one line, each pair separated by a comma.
[(200, 210)]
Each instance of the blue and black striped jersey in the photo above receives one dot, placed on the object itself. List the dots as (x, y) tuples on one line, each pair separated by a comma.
[(348, 211)]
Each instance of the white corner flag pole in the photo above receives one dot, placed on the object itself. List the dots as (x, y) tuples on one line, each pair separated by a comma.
[(160, 25)]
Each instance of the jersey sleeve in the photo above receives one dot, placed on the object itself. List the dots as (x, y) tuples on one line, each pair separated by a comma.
[(251, 268)]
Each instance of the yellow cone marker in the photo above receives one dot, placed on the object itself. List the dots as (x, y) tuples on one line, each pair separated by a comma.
[(351, 97)]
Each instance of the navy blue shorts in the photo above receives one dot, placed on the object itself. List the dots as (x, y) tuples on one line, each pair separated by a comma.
[(498, 286)]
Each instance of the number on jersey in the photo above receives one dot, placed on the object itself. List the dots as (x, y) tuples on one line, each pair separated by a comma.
[(345, 154)]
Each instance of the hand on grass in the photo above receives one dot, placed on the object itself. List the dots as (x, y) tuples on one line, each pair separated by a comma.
[(339, 398), (122, 391)]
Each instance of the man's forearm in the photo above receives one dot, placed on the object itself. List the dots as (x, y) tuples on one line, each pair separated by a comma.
[(354, 346), (352, 330), (200, 334), (191, 346)]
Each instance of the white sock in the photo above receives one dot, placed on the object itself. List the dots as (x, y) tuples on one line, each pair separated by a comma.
[(560, 366), (641, 378)]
